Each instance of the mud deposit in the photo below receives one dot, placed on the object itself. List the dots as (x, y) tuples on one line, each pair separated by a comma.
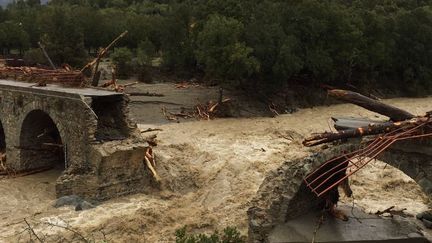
[(210, 171)]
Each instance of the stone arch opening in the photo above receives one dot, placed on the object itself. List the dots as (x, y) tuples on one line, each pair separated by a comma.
[(381, 185), (41, 145)]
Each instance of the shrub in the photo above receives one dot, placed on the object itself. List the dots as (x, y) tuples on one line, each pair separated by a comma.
[(122, 58), (229, 235), (35, 56)]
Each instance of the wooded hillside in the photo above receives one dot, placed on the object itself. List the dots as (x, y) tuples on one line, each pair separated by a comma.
[(380, 43)]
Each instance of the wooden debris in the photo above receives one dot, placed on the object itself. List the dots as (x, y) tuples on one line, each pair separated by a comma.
[(185, 85), (13, 174), (205, 111), (394, 113), (327, 176), (272, 108), (210, 110), (113, 85), (101, 54), (145, 94), (181, 114), (151, 140), (53, 145), (167, 116), (5, 171), (151, 164), (391, 211), (41, 77), (151, 130), (404, 120), (347, 123), (42, 47), (371, 129)]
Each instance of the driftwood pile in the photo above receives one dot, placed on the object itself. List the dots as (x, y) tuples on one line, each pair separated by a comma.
[(202, 111), (65, 76), (40, 76), (113, 85)]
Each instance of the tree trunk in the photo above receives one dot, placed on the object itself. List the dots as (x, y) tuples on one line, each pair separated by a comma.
[(394, 113), (371, 129)]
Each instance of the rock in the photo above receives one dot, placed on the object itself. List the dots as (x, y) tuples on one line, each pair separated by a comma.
[(84, 205), (427, 223), (425, 215), (72, 200), (420, 215)]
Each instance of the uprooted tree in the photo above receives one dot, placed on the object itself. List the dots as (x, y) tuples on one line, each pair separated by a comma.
[(334, 172)]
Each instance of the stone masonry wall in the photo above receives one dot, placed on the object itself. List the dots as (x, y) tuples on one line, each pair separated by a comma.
[(95, 167), (76, 124)]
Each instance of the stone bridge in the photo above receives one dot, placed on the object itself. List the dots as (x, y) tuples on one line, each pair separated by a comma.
[(85, 133), (283, 196)]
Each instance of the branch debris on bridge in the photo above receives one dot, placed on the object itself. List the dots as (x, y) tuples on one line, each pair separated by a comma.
[(65, 76), (40, 76)]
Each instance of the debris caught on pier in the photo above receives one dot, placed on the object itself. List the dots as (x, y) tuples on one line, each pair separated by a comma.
[(151, 163)]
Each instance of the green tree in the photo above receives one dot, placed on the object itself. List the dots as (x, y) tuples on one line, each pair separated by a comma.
[(222, 52), (414, 45), (122, 58), (64, 41), (145, 54), (13, 36), (178, 39)]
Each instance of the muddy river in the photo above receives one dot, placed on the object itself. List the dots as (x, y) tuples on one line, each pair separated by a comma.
[(211, 170)]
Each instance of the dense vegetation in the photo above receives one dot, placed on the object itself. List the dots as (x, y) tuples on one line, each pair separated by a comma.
[(229, 235), (382, 43)]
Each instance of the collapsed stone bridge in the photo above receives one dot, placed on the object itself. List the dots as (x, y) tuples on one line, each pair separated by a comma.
[(84, 132), (283, 196)]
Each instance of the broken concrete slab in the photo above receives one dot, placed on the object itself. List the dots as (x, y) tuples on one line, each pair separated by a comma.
[(361, 227)]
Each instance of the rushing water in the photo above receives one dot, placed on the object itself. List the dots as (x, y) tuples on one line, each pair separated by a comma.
[(26, 196), (213, 169)]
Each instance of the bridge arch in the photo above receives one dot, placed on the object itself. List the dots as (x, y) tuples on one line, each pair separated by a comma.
[(41, 141), (283, 195)]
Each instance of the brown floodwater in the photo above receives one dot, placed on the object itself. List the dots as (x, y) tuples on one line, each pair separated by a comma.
[(211, 170), (26, 196)]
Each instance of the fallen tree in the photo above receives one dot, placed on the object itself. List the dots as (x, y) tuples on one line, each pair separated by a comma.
[(394, 113), (371, 129), (402, 120)]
